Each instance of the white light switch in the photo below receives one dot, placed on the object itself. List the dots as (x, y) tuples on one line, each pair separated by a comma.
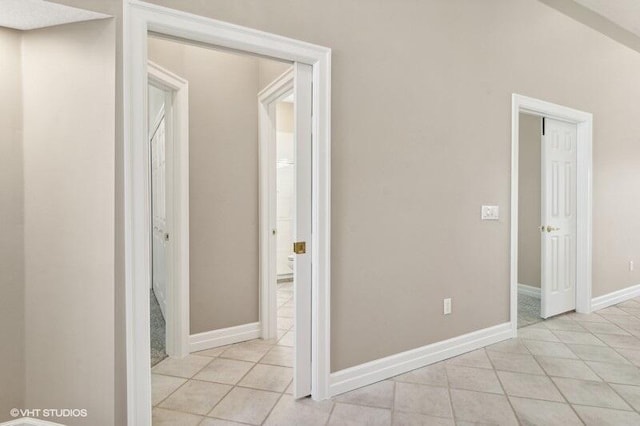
[(447, 306), (490, 213)]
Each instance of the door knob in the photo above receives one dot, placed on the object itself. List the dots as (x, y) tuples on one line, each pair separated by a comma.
[(551, 228)]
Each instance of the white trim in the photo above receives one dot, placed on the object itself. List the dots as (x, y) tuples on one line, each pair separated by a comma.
[(29, 421), (383, 368), (584, 123), (615, 297), (139, 18), (267, 98), (224, 336), (529, 290), (177, 316)]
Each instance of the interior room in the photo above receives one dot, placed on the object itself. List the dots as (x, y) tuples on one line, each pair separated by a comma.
[(319, 212)]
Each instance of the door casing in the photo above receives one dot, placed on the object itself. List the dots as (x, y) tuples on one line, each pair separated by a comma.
[(140, 18), (584, 173)]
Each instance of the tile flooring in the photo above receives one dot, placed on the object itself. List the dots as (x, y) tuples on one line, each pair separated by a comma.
[(571, 370)]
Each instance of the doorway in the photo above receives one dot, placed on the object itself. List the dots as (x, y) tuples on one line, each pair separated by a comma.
[(551, 211), (159, 215), (285, 206), (311, 92), (168, 147), (547, 218)]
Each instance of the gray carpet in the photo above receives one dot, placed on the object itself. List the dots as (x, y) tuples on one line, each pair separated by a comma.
[(528, 310), (158, 352)]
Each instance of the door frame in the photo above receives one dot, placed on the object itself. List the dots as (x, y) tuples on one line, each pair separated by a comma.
[(177, 291), (267, 99), (584, 175), (139, 18)]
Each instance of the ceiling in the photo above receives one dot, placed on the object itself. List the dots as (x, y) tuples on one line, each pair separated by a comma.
[(624, 13), (32, 14)]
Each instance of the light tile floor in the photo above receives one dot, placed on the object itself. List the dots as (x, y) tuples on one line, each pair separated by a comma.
[(571, 370)]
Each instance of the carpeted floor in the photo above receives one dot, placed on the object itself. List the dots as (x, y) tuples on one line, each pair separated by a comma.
[(158, 352), (528, 310)]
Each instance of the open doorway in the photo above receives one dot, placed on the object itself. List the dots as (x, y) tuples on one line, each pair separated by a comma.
[(160, 232), (551, 213), (311, 66), (249, 199), (547, 218), (168, 145)]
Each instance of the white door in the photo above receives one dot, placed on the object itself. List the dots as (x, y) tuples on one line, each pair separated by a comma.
[(160, 233), (302, 230), (558, 228)]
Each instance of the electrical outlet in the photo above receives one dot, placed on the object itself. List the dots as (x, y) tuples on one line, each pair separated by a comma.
[(490, 213), (631, 265), (447, 306)]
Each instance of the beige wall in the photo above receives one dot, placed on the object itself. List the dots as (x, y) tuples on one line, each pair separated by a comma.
[(529, 182), (269, 70), (114, 8), (69, 108), (223, 179), (11, 217), (421, 139)]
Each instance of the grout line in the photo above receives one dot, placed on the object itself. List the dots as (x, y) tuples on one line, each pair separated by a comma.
[(393, 400), (220, 400), (225, 420), (333, 407), (446, 376), (557, 388), (506, 395), (169, 395), (274, 406)]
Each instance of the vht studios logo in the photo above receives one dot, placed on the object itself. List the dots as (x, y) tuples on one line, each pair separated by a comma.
[(48, 412)]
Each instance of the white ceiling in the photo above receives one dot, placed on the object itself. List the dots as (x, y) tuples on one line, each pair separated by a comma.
[(625, 13), (32, 14)]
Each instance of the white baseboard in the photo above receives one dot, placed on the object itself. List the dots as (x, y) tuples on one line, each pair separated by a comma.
[(224, 336), (529, 290), (384, 368), (615, 297)]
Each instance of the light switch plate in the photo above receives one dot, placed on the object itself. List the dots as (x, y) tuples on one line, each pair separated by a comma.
[(490, 213), (447, 306)]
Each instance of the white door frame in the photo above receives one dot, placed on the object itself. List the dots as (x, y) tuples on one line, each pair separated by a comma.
[(177, 109), (267, 99), (138, 19), (584, 124)]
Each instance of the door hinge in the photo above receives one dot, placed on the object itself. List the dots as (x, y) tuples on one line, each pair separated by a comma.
[(543, 125)]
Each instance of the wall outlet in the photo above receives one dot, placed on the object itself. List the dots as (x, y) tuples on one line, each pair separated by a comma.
[(631, 265), (490, 213), (447, 306)]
